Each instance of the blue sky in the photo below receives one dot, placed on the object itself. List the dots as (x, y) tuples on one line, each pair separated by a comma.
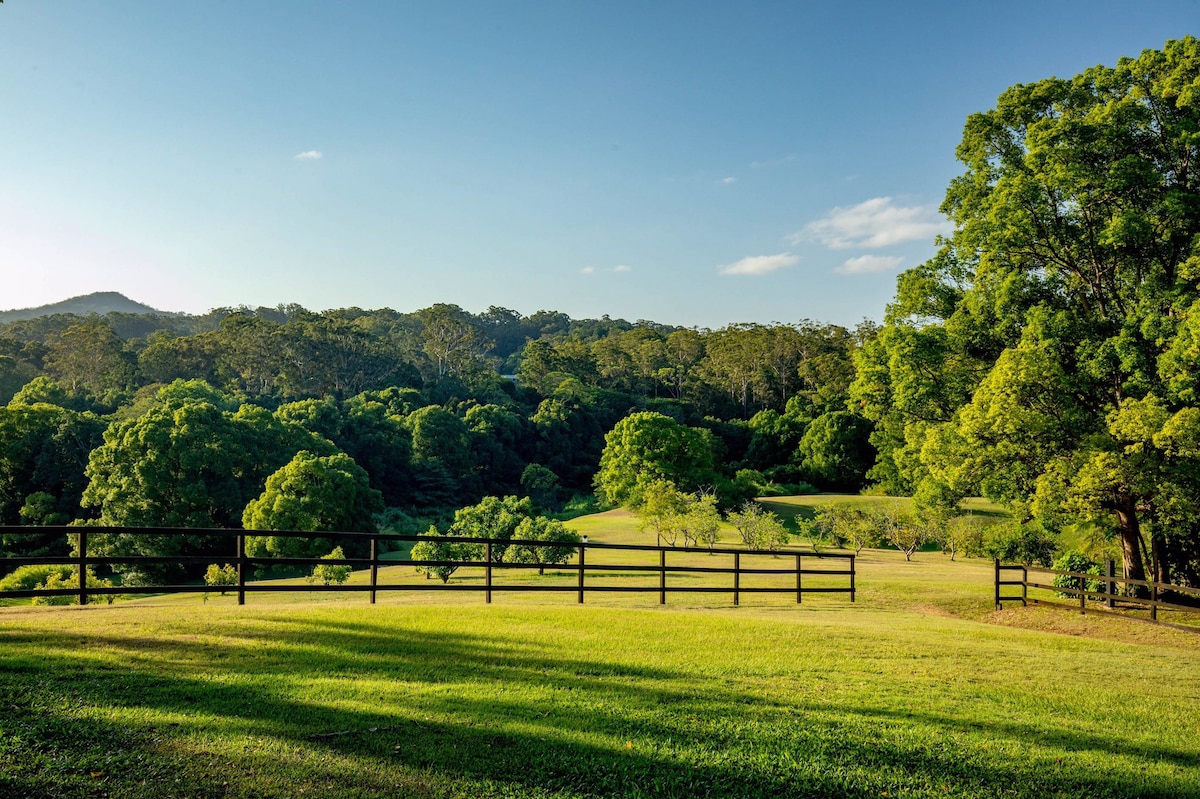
[(692, 163)]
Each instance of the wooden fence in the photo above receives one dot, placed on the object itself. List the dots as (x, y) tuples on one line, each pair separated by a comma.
[(794, 559), (1105, 591)]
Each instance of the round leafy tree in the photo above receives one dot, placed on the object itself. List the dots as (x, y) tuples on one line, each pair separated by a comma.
[(311, 493)]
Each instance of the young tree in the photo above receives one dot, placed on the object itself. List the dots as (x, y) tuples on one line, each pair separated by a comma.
[(700, 522), (446, 551), (661, 504), (331, 573), (758, 529)]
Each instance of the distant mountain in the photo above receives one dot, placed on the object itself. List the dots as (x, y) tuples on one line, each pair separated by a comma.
[(99, 302)]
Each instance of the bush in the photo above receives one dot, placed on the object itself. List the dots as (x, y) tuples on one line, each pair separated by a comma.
[(221, 576), (71, 580), (1072, 561), (27, 578), (329, 573), (1022, 543)]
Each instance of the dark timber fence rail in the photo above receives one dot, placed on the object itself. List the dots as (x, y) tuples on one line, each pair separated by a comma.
[(785, 562), (1102, 590)]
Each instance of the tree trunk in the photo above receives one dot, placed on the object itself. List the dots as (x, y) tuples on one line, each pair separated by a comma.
[(1131, 542), (1161, 560)]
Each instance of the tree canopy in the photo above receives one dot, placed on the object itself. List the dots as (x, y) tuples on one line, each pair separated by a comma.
[(1047, 355)]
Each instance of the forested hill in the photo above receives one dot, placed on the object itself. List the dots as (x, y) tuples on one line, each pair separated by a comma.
[(439, 407), (100, 302)]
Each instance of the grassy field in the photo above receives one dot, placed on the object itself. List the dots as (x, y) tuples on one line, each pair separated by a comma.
[(917, 689)]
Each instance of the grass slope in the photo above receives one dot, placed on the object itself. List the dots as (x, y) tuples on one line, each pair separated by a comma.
[(918, 689)]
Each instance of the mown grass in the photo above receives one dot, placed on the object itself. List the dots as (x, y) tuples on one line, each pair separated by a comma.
[(917, 689)]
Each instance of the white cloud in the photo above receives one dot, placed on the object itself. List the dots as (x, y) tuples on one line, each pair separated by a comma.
[(727, 181), (622, 268), (308, 155), (760, 264), (874, 223), (865, 264), (588, 270)]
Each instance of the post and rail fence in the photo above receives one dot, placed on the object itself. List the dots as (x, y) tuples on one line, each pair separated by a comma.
[(1103, 590), (83, 562)]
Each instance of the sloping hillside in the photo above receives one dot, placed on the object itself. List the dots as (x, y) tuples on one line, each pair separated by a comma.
[(99, 302)]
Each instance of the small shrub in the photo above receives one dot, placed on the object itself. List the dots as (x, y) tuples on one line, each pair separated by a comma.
[(1072, 561), (1022, 543), (26, 578), (71, 580), (332, 574), (220, 576)]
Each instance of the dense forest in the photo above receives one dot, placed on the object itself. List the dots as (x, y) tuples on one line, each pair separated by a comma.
[(179, 421)]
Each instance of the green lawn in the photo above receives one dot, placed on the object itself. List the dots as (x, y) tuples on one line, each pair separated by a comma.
[(917, 689)]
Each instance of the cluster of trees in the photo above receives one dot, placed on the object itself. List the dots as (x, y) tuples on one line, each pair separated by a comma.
[(500, 519)]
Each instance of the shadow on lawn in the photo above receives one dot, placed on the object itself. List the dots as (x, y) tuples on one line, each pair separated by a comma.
[(470, 714)]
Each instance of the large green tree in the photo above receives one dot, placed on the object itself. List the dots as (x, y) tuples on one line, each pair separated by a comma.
[(1065, 304), (312, 493), (646, 447)]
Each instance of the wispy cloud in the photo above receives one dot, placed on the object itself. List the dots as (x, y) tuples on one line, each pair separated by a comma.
[(865, 264), (591, 270), (878, 222), (727, 181), (760, 264), (308, 155), (787, 159)]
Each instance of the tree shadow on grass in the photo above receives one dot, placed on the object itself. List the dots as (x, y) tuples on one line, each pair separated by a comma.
[(475, 714)]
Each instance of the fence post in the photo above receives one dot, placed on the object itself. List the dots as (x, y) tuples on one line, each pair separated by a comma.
[(374, 567), (798, 589), (1110, 571), (852, 573), (1153, 598), (241, 561), (737, 576), (487, 573), (581, 565), (1082, 595), (1024, 586), (997, 582), (662, 576), (82, 567)]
